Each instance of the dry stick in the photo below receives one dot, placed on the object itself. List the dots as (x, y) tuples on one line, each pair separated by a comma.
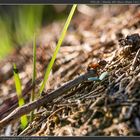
[(18, 112), (134, 63), (27, 88)]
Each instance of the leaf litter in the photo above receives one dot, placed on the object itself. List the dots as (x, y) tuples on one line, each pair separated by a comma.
[(110, 107)]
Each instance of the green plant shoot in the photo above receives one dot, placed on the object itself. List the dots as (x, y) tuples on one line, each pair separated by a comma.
[(49, 68), (24, 120), (34, 75)]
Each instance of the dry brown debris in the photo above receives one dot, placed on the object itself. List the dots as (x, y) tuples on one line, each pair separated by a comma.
[(110, 107)]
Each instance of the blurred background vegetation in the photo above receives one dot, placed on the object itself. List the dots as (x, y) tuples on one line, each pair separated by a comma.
[(18, 23)]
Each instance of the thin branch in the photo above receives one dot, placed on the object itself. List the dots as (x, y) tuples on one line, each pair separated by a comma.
[(18, 112)]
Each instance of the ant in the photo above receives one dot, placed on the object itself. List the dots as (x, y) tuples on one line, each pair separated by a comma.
[(96, 66)]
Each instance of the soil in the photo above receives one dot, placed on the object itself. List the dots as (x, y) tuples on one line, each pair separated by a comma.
[(110, 107)]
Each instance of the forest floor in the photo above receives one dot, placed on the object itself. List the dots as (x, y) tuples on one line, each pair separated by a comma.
[(110, 107)]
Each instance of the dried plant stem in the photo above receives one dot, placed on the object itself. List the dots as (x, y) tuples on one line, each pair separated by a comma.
[(45, 99)]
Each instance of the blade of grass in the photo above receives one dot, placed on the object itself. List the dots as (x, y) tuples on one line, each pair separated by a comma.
[(6, 43), (57, 48), (28, 19), (24, 120), (33, 76)]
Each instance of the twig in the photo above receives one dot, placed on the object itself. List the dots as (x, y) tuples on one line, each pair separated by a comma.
[(18, 112), (4, 111), (134, 63)]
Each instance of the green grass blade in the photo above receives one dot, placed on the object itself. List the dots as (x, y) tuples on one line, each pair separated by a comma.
[(28, 20), (34, 60), (24, 120), (33, 76), (34, 69), (57, 48)]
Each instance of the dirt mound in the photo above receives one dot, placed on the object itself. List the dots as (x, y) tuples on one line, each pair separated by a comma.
[(106, 107)]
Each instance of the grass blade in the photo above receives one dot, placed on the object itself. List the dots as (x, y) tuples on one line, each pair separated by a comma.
[(57, 48), (33, 76), (24, 120), (34, 60)]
